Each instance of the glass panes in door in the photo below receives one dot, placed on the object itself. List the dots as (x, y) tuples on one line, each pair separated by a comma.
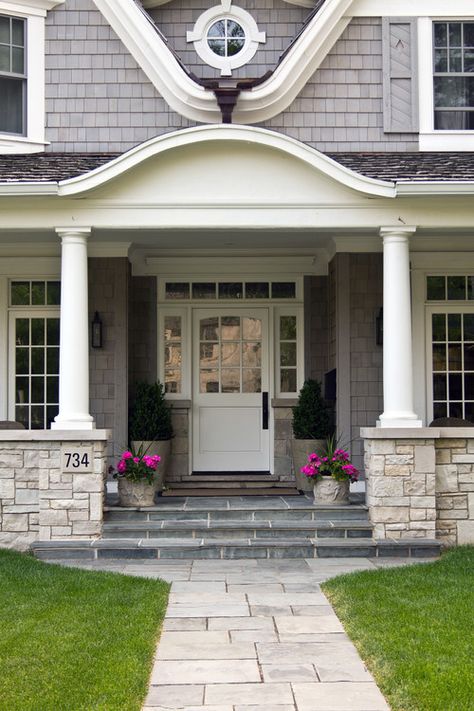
[(230, 354), (453, 365), (36, 358)]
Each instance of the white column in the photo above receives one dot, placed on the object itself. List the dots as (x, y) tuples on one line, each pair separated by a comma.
[(74, 333), (397, 332)]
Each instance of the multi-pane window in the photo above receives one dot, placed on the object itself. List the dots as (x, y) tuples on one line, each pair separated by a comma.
[(222, 290), (450, 288), (34, 351), (36, 359), (288, 354), (173, 346), (12, 74), (453, 365), (230, 354), (226, 37), (453, 66)]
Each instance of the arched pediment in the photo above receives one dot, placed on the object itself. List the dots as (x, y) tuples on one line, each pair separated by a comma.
[(222, 164)]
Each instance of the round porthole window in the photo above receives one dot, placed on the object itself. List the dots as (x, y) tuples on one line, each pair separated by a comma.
[(226, 37)]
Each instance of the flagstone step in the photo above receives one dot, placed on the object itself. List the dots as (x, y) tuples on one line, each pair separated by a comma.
[(185, 548), (245, 509), (237, 529)]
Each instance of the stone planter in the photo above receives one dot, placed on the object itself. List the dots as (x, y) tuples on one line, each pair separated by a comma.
[(132, 493), (300, 448), (328, 491), (163, 449)]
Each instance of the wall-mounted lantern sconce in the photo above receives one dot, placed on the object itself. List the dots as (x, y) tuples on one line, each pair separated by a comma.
[(379, 328), (96, 331)]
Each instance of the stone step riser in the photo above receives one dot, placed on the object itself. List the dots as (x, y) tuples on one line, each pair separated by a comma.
[(229, 484), (257, 534), (274, 515), (230, 551)]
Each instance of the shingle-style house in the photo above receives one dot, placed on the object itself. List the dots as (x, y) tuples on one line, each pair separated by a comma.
[(240, 193)]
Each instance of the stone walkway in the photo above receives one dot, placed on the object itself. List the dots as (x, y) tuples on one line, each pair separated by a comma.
[(254, 635)]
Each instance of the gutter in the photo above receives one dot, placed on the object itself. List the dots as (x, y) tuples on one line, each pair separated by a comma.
[(29, 189)]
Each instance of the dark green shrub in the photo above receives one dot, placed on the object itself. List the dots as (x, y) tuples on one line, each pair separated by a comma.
[(311, 416), (150, 416)]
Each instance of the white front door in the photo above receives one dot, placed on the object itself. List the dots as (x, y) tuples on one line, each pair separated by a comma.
[(230, 386)]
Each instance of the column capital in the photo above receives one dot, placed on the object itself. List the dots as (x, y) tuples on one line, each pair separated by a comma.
[(397, 231), (79, 232)]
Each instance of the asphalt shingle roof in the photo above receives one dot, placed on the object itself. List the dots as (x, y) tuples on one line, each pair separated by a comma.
[(404, 167), (49, 167), (396, 167)]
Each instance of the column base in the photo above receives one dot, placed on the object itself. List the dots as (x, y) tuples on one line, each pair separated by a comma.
[(398, 422), (85, 423)]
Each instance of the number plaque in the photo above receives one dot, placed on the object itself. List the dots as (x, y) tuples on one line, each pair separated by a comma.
[(77, 459)]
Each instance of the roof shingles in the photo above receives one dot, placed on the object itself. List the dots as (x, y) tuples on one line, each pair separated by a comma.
[(394, 167)]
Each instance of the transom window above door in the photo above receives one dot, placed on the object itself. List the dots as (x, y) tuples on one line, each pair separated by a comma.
[(227, 290)]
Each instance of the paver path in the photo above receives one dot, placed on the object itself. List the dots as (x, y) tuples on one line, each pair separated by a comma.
[(254, 635)]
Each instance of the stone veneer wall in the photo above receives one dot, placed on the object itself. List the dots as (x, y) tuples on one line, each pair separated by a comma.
[(283, 461), (455, 490), (179, 464), (420, 483), (38, 501)]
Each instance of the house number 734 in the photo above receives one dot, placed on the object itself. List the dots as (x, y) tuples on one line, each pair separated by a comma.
[(76, 459)]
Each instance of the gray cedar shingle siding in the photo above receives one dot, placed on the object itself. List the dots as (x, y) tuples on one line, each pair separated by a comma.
[(341, 107), (278, 19), (99, 100)]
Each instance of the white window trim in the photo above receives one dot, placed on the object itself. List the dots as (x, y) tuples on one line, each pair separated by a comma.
[(34, 12), (423, 265), (198, 35), (445, 307), (184, 313), (431, 140), (297, 311), (22, 312)]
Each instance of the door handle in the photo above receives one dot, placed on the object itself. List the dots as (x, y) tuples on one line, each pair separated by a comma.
[(265, 411)]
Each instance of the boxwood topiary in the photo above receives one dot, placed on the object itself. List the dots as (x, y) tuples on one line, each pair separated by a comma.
[(311, 416), (150, 416)]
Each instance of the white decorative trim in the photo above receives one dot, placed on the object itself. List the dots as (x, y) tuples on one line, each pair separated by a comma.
[(30, 7), (34, 141), (198, 35), (427, 187), (191, 100), (19, 144), (408, 8), (199, 134), (53, 435)]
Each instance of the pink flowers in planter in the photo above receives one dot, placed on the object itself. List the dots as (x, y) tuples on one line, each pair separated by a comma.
[(332, 462), (137, 467)]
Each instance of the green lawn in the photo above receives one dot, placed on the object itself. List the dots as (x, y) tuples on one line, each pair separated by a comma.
[(75, 640), (414, 627)]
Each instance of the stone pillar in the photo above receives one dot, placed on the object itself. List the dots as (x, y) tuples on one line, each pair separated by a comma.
[(400, 476), (74, 332), (397, 336)]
